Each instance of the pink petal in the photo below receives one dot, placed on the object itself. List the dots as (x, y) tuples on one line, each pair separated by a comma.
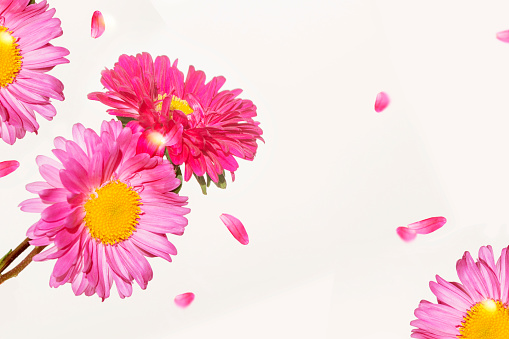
[(236, 228), (97, 25), (427, 225), (503, 36), (406, 234), (185, 299), (7, 167), (382, 101)]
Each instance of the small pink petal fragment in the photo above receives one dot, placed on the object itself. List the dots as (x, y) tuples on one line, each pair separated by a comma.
[(236, 228), (427, 226), (185, 299), (7, 167), (406, 234), (97, 25), (503, 36), (382, 101)]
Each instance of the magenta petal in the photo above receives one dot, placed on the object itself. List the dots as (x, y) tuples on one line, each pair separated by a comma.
[(427, 225), (7, 167), (185, 299), (406, 234), (382, 101), (236, 228), (503, 36), (97, 25)]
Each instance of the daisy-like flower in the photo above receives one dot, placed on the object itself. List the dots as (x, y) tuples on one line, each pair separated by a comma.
[(199, 126), (478, 308), (25, 55), (104, 208)]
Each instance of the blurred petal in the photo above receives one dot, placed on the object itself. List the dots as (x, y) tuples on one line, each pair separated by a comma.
[(382, 101), (427, 225), (406, 234), (7, 167), (503, 36), (236, 228), (185, 299), (97, 25)]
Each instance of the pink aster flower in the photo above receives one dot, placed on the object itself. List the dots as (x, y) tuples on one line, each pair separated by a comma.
[(476, 308), (104, 208), (25, 56), (199, 126)]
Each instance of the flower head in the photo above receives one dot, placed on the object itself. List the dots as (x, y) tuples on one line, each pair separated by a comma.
[(25, 55), (478, 308), (104, 208), (199, 126)]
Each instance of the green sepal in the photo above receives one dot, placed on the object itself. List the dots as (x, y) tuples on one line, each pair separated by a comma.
[(31, 2), (3, 259), (203, 184), (124, 120), (221, 182), (178, 172), (208, 180)]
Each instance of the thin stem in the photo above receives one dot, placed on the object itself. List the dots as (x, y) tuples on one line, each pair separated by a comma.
[(21, 266), (14, 254)]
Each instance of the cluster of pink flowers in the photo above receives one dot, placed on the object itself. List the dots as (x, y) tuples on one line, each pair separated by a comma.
[(109, 199)]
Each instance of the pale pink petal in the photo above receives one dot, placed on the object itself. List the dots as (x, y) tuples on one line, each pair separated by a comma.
[(236, 228), (427, 225), (7, 167), (97, 25), (406, 234), (382, 101), (185, 299), (503, 36)]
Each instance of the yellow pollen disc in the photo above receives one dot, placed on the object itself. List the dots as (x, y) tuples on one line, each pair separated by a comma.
[(159, 101), (486, 320), (181, 105), (112, 212), (10, 57)]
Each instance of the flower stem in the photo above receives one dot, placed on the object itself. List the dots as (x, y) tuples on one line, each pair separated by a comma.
[(14, 254), (21, 266)]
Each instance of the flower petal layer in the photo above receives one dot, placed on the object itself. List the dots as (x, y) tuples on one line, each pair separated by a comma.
[(7, 167), (98, 26), (236, 228), (503, 36), (381, 102), (185, 299)]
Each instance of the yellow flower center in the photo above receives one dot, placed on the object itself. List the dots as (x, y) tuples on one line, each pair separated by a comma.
[(486, 320), (10, 57), (112, 212), (176, 104)]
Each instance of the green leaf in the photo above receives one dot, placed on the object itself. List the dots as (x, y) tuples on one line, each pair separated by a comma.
[(3, 259), (124, 120), (203, 184)]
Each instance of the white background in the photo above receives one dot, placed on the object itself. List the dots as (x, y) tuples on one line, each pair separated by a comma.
[(327, 190)]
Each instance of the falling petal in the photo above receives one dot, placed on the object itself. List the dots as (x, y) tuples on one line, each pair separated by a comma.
[(427, 225), (406, 234), (7, 167), (503, 36), (382, 101), (97, 25), (185, 299), (236, 228)]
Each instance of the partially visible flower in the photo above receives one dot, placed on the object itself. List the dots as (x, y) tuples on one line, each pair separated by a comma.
[(236, 228), (425, 226), (185, 299), (199, 126), (25, 56), (7, 167), (478, 308), (381, 102), (97, 25), (104, 208)]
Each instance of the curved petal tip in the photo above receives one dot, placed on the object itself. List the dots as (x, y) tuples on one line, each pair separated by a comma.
[(97, 25), (7, 167), (425, 226), (406, 234), (503, 36), (236, 228), (381, 102), (185, 299)]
